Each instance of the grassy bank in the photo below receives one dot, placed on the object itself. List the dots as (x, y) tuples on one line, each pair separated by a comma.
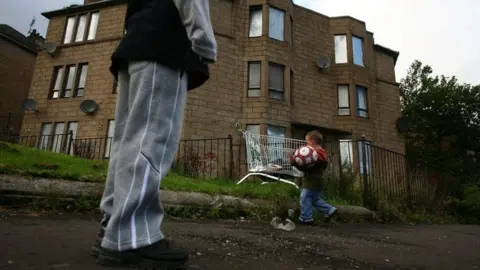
[(16, 159)]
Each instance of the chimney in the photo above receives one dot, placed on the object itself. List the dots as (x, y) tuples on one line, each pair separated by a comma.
[(35, 36)]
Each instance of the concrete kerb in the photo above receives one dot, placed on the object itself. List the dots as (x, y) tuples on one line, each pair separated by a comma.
[(37, 186)]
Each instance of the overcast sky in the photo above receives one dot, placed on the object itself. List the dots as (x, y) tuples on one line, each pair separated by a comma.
[(442, 33)]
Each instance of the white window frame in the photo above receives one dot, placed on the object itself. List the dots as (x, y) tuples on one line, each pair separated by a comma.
[(346, 154), (273, 92), (64, 86), (362, 109), (365, 145), (342, 109), (45, 135), (254, 90), (73, 127), (81, 27), (357, 49), (341, 49), (109, 140), (255, 26), (58, 140), (276, 143), (276, 23)]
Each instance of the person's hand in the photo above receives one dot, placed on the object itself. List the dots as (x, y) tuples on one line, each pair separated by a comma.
[(291, 158)]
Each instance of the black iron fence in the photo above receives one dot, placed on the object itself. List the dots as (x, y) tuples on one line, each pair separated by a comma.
[(11, 122), (374, 173), (206, 158), (381, 175)]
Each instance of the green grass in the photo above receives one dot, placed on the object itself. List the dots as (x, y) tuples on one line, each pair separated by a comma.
[(15, 159)]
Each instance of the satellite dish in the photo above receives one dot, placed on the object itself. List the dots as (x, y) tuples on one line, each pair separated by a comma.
[(404, 124), (29, 105), (323, 62), (88, 106), (47, 47)]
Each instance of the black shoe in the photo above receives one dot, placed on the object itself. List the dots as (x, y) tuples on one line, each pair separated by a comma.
[(97, 243), (307, 223), (157, 256), (328, 218)]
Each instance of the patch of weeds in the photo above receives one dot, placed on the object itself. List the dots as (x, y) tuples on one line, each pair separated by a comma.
[(45, 166), (5, 147)]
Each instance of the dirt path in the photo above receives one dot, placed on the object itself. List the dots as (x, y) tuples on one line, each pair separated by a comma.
[(30, 241)]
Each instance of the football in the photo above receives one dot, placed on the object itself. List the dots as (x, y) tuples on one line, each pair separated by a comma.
[(305, 156)]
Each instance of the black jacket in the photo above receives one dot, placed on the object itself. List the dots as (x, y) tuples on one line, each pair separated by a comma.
[(155, 32)]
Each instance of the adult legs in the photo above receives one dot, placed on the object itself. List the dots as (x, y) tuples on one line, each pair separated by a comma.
[(121, 114), (151, 133)]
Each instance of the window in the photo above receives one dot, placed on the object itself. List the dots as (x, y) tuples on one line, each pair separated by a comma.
[(276, 23), (275, 144), (346, 155), (82, 79), (45, 133), (343, 100), (92, 30), (254, 75), (72, 127), (57, 84), (255, 22), (365, 157), (69, 30), (69, 81), (254, 129), (357, 44), (362, 101), (275, 81), (68, 91), (108, 143), (58, 137), (291, 32), (81, 27), (341, 55)]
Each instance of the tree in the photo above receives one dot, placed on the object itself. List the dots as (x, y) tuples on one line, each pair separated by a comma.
[(445, 123)]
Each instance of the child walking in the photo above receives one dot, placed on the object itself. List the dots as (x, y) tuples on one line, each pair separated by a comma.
[(312, 183)]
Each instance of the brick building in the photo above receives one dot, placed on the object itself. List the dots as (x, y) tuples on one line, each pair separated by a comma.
[(17, 61), (266, 77)]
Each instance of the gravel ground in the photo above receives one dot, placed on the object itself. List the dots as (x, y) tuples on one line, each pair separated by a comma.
[(56, 241)]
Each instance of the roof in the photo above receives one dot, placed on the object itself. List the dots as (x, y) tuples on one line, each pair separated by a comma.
[(81, 8), (18, 38), (388, 51)]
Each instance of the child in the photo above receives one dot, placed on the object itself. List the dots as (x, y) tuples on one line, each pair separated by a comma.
[(312, 183)]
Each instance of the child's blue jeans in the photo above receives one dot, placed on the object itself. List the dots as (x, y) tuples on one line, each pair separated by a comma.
[(310, 199)]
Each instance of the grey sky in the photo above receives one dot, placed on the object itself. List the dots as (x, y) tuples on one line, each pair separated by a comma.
[(442, 33)]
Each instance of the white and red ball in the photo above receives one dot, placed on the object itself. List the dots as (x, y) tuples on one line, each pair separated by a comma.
[(305, 156)]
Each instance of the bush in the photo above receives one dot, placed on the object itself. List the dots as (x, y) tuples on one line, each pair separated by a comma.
[(343, 187), (467, 207)]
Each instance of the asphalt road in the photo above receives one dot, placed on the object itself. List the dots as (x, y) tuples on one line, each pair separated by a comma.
[(54, 241)]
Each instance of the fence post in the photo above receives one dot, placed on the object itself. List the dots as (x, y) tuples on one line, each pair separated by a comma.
[(409, 185), (366, 188), (230, 156), (8, 122), (70, 142)]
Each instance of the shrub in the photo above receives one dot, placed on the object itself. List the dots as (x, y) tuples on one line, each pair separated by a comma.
[(467, 206)]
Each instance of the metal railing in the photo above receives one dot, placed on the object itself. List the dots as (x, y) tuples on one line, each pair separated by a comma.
[(376, 173)]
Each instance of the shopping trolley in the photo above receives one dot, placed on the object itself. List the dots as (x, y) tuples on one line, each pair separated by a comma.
[(268, 156)]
